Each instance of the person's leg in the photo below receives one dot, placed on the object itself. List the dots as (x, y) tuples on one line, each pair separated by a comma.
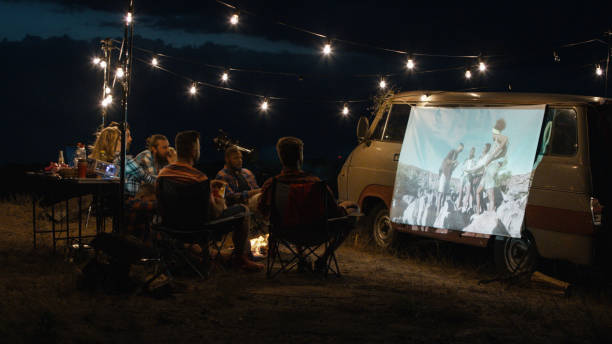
[(240, 238), (479, 199), (491, 193)]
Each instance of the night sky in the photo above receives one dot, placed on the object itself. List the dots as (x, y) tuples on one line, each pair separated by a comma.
[(51, 90)]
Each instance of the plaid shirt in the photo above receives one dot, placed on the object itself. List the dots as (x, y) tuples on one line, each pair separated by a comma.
[(292, 177), (233, 193), (147, 162), (134, 176)]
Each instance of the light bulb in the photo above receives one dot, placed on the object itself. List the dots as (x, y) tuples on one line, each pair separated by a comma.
[(345, 110), (96, 60), (598, 70), (107, 90), (327, 49), (424, 98), (234, 19), (264, 105), (154, 62), (468, 74), (193, 90), (102, 64), (128, 18), (482, 67), (224, 77), (410, 64), (107, 101), (120, 73), (382, 84)]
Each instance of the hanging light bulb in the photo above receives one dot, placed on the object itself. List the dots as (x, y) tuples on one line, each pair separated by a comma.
[(96, 60), (102, 64), (382, 84), (128, 18), (327, 49), (345, 110), (424, 98), (264, 105), (154, 62), (598, 70), (107, 90), (481, 66), (234, 19), (107, 101), (193, 90), (224, 77), (468, 74), (410, 64), (120, 73)]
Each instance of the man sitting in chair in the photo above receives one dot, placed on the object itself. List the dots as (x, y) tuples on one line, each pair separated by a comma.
[(188, 153), (241, 183), (291, 154)]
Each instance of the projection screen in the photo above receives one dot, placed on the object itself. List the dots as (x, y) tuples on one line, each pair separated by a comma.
[(467, 169)]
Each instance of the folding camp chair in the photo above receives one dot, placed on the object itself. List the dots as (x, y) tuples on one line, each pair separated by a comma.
[(301, 224), (184, 210)]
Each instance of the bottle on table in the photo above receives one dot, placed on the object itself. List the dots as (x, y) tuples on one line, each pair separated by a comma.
[(60, 158), (80, 154)]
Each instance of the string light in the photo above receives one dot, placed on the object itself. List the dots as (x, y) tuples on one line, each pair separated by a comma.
[(424, 98), (193, 89), (154, 62), (382, 84), (481, 66), (264, 105), (410, 64), (120, 73), (224, 77), (468, 74), (96, 60), (234, 19), (128, 18), (107, 101), (598, 70), (107, 90), (327, 49), (102, 64), (345, 110)]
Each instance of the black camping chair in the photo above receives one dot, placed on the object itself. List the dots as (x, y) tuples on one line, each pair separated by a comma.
[(184, 210), (300, 222)]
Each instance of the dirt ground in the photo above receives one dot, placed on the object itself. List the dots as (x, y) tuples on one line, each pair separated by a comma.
[(426, 292)]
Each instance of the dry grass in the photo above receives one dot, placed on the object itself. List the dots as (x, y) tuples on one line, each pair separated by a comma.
[(425, 292)]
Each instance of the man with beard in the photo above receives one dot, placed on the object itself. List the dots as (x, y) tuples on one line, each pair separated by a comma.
[(153, 159), (241, 183)]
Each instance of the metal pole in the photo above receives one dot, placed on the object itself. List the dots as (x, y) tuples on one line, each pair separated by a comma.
[(607, 65), (127, 66)]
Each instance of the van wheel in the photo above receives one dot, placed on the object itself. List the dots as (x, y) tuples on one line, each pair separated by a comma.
[(515, 255), (380, 223)]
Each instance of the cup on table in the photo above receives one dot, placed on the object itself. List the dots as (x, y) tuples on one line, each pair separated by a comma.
[(217, 187)]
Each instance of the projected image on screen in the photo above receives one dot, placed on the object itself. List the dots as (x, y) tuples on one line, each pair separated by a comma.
[(467, 169)]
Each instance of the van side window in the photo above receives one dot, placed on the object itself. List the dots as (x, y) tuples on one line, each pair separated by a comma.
[(396, 126), (563, 139), (380, 126)]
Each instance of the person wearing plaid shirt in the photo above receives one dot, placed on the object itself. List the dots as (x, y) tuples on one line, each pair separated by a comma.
[(153, 159), (241, 183), (134, 176), (291, 154)]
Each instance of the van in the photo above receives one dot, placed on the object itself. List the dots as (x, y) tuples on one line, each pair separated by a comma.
[(564, 217)]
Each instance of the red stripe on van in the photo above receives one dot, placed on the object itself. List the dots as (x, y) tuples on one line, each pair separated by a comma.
[(559, 220)]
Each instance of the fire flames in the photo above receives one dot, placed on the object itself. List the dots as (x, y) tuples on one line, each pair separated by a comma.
[(259, 245)]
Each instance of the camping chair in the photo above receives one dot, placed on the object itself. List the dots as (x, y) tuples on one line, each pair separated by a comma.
[(300, 222), (184, 210)]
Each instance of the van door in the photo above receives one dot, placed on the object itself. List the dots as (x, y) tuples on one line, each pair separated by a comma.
[(374, 162)]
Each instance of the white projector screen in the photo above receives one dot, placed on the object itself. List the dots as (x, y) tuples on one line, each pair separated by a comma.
[(467, 169)]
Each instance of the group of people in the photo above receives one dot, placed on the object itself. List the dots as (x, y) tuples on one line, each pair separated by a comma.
[(478, 174), (242, 193)]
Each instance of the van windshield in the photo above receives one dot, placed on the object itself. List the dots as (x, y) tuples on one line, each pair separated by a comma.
[(396, 123)]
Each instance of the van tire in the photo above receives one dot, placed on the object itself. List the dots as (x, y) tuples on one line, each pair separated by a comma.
[(379, 224), (515, 256)]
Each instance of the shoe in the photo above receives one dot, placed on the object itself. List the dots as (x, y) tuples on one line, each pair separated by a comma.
[(246, 264)]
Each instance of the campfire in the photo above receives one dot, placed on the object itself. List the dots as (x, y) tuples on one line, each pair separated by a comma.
[(259, 245)]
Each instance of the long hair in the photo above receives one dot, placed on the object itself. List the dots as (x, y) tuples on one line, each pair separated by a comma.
[(106, 144)]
